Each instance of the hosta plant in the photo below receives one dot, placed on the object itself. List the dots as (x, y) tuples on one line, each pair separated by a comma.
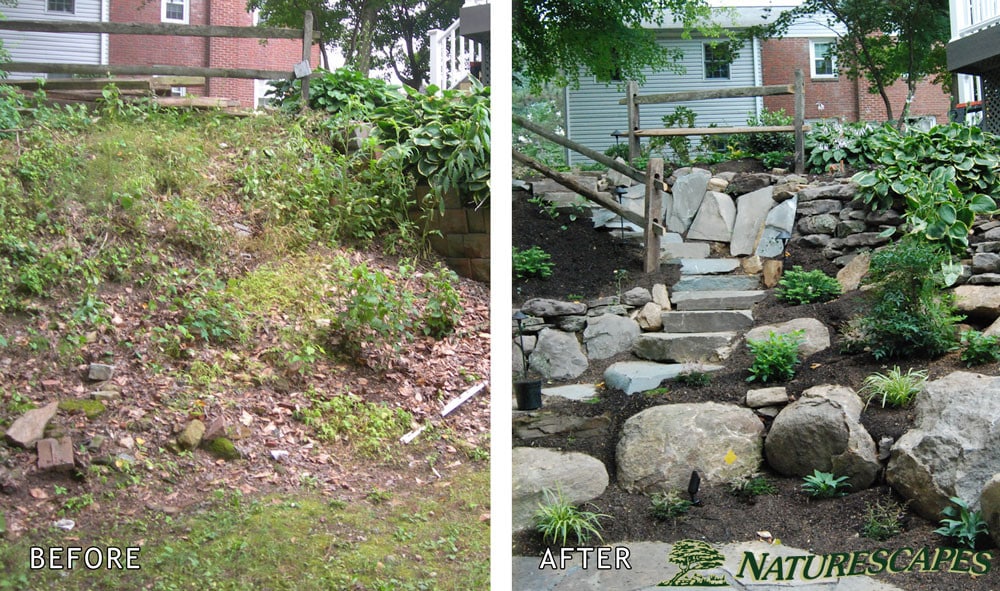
[(825, 485), (961, 523)]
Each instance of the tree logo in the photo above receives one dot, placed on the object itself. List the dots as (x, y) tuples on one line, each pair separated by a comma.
[(691, 556)]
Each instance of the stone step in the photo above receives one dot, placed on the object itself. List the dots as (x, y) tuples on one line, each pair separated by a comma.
[(708, 266), (716, 300), (717, 283), (699, 347), (639, 376), (707, 321), (670, 252)]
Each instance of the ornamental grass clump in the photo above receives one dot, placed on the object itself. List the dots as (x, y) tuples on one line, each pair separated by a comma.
[(558, 520), (895, 388)]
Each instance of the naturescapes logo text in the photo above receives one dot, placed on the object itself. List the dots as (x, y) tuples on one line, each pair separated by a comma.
[(692, 556)]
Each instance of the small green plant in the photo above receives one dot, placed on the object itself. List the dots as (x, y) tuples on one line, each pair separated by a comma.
[(807, 287), (694, 379), (775, 358), (558, 520), (894, 387), (377, 496), (824, 485), (370, 427), (533, 262), (767, 143), (753, 486), (882, 520), (668, 505), (979, 348), (621, 276), (545, 206), (961, 523)]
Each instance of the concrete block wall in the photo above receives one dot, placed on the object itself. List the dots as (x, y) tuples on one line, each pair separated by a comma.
[(465, 236)]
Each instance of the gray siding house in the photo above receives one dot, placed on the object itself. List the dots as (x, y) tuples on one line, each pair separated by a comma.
[(69, 48)]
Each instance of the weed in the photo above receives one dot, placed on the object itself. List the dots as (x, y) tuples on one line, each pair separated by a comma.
[(668, 505), (74, 504), (367, 426), (882, 520), (807, 287), (621, 276), (558, 520), (442, 309), (775, 358), (823, 485), (533, 262), (694, 379), (378, 496), (961, 523), (753, 486), (894, 387), (545, 206), (979, 348)]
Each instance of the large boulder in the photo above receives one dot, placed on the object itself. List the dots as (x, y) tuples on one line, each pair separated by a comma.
[(546, 308), (685, 199), (557, 355), (715, 218), (661, 446), (951, 449), (576, 476), (821, 431), (608, 335), (978, 301), (751, 213)]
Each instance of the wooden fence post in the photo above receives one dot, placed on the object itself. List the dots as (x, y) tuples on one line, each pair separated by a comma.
[(654, 209), (634, 150), (800, 115), (307, 36)]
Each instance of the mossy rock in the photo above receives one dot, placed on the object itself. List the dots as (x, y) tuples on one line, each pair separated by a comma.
[(90, 408), (221, 447)]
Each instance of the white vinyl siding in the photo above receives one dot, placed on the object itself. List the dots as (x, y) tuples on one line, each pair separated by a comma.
[(593, 112), (69, 48)]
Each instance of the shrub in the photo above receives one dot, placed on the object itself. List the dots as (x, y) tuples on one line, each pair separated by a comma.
[(752, 487), (775, 358), (10, 102), (979, 348), (374, 312), (882, 521), (680, 145), (442, 308), (695, 379), (832, 143), (762, 143), (807, 287), (557, 519), (910, 314), (533, 262), (894, 388), (669, 505), (961, 523), (823, 485), (332, 91)]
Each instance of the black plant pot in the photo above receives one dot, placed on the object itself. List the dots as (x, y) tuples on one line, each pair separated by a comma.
[(528, 394)]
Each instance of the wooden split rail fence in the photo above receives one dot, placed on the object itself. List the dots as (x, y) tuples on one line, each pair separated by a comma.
[(633, 100), (302, 70)]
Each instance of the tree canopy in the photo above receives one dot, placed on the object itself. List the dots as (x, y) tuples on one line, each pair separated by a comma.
[(560, 40), (370, 34), (885, 41)]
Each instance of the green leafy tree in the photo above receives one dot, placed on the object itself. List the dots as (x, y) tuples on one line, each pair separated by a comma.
[(370, 34), (560, 40), (885, 41)]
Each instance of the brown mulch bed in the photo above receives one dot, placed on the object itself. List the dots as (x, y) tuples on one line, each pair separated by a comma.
[(821, 526)]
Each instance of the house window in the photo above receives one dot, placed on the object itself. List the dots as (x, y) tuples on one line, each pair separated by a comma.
[(174, 11), (718, 57), (823, 60), (67, 6)]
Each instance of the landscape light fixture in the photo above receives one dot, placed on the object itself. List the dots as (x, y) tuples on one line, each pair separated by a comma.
[(520, 317), (620, 191), (693, 485), (616, 134)]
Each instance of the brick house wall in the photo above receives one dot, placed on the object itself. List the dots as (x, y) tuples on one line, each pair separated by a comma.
[(275, 54), (840, 97)]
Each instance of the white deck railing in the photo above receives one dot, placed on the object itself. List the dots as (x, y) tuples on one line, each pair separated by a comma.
[(450, 56), (971, 16)]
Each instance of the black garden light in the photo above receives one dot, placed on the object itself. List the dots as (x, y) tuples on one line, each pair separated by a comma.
[(528, 392), (520, 317), (693, 485), (620, 192)]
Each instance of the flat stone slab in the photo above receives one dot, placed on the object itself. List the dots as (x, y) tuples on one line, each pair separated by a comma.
[(706, 321), (684, 250), (717, 300), (684, 348), (55, 454), (535, 425), (30, 427), (717, 283), (708, 266), (578, 392), (632, 377), (649, 565)]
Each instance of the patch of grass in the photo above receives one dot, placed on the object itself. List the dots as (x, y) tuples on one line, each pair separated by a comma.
[(371, 428), (288, 543), (753, 486), (559, 521), (894, 387), (668, 505), (882, 520)]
